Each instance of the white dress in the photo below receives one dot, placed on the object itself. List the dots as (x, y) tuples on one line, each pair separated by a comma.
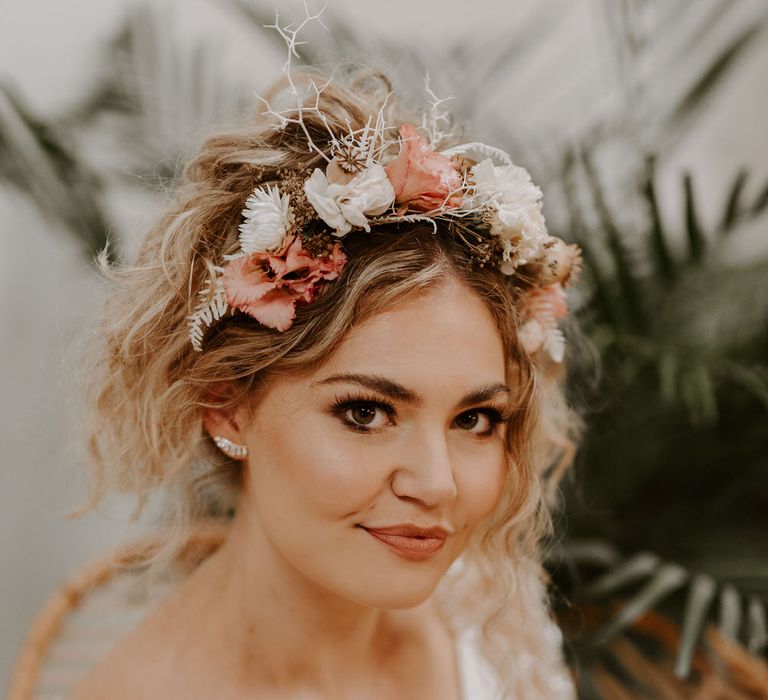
[(478, 679)]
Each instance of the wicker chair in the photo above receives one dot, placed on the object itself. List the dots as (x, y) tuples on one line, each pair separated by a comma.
[(84, 617), (640, 664)]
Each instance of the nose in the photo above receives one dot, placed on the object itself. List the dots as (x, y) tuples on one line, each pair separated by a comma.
[(425, 470)]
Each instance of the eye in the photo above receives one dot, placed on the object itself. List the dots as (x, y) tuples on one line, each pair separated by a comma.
[(486, 418), (363, 415)]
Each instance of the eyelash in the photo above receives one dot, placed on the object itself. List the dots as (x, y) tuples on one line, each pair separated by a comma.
[(344, 403)]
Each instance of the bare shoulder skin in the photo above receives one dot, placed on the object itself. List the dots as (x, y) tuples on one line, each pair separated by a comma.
[(417, 660)]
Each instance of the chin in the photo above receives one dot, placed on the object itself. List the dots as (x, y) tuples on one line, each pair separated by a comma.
[(394, 587), (392, 595), (385, 579)]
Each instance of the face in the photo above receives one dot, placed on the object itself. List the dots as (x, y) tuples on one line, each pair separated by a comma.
[(370, 474)]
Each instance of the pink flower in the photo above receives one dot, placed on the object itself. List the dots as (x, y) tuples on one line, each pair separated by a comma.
[(268, 286), (541, 309), (422, 178), (546, 301)]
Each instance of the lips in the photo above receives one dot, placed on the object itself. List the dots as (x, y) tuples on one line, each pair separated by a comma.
[(410, 541)]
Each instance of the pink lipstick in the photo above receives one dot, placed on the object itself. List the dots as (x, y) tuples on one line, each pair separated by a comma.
[(410, 541)]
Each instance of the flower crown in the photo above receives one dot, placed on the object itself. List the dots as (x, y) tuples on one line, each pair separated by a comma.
[(291, 235)]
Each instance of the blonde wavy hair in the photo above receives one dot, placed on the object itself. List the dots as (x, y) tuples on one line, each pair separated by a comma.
[(148, 387)]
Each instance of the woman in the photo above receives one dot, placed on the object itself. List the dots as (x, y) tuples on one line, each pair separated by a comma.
[(343, 341)]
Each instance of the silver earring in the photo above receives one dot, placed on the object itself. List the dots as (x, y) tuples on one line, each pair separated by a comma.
[(230, 448)]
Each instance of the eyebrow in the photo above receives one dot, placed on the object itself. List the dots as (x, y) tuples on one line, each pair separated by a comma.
[(398, 392)]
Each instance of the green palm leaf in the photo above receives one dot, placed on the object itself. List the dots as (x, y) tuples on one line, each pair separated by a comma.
[(39, 160), (701, 594)]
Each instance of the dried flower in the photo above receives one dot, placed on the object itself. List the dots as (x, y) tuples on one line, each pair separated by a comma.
[(337, 175), (542, 307), (350, 156), (558, 262), (292, 184), (269, 286), (317, 239), (514, 203), (344, 205), (268, 218), (423, 179)]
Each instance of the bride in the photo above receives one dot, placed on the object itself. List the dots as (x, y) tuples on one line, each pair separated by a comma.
[(342, 342)]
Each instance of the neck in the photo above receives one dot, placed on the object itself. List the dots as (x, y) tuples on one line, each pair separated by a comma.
[(266, 624)]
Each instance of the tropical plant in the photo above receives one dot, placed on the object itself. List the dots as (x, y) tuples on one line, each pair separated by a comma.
[(667, 511)]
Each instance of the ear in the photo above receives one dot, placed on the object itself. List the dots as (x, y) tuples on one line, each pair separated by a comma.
[(222, 415)]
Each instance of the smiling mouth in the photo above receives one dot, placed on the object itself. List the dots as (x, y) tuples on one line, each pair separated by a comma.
[(414, 548)]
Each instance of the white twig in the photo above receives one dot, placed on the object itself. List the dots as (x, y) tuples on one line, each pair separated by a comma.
[(437, 121), (289, 33)]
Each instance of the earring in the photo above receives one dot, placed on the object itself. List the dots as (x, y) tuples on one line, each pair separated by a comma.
[(230, 448)]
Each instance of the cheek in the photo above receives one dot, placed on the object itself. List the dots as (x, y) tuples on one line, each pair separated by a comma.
[(480, 485), (316, 472)]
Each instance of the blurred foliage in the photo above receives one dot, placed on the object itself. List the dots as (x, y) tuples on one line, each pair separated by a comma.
[(672, 473), (38, 159), (667, 509)]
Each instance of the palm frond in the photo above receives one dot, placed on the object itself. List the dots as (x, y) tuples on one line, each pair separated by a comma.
[(664, 263), (636, 568), (734, 207), (730, 611), (634, 313), (666, 579), (655, 580), (760, 203), (693, 328), (695, 236), (39, 160), (758, 628), (674, 55), (701, 595)]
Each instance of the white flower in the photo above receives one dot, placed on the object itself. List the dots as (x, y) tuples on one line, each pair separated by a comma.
[(344, 205), (516, 205), (268, 217)]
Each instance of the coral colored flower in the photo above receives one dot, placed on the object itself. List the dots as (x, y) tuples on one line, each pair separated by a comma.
[(542, 307), (549, 300), (268, 286), (422, 178)]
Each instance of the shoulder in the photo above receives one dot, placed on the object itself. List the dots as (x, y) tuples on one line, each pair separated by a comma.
[(140, 664), (127, 671)]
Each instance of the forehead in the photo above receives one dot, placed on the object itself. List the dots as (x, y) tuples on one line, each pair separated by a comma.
[(446, 333)]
